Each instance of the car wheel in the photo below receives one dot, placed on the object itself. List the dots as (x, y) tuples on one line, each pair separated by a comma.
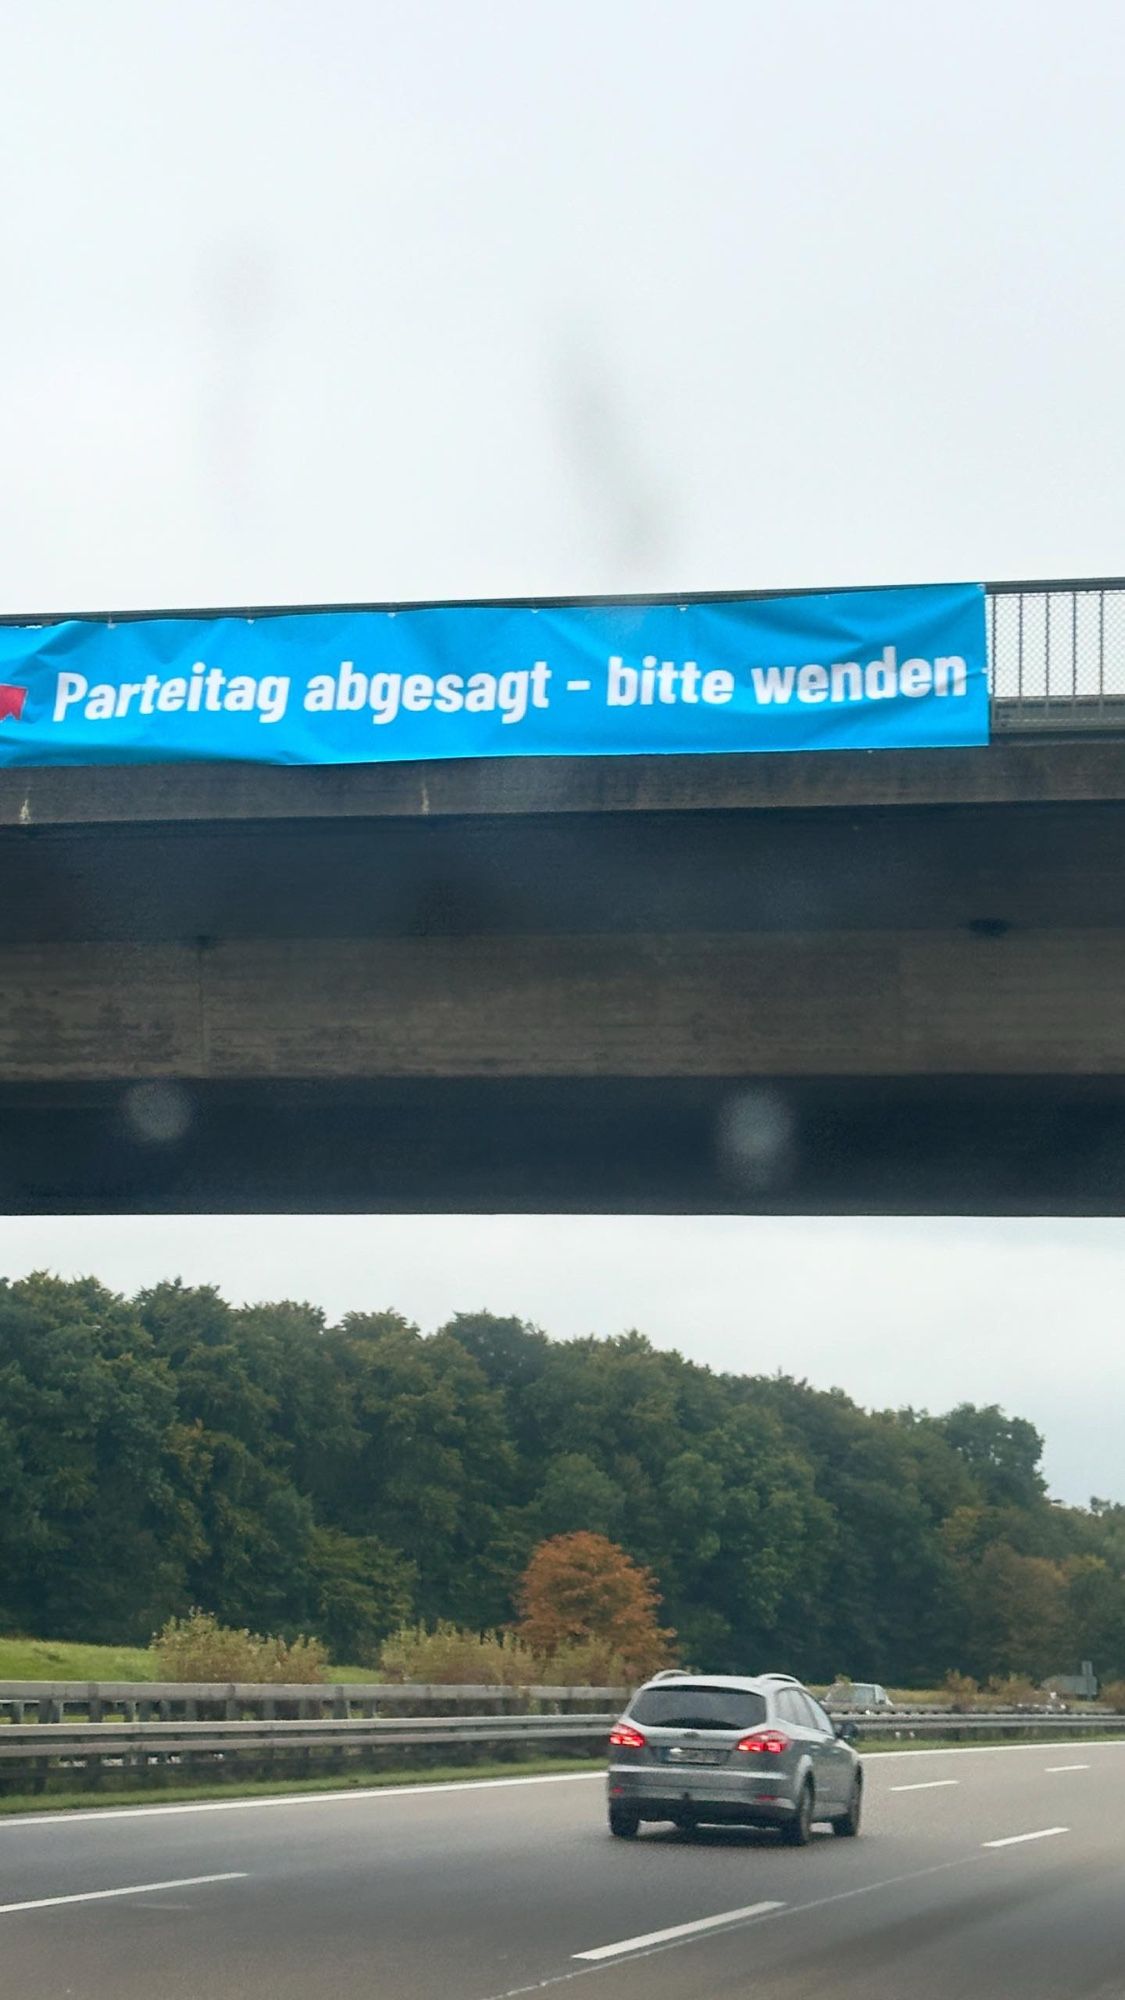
[(624, 1822), (847, 1824), (796, 1832)]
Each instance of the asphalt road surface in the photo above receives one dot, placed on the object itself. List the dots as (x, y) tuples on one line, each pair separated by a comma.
[(980, 1875)]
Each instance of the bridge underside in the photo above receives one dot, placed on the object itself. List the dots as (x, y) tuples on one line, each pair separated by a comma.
[(979, 1146), (880, 984)]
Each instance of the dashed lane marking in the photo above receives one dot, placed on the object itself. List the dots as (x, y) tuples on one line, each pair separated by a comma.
[(108, 1895)]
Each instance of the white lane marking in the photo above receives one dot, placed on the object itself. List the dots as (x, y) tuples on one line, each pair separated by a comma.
[(1051, 1769), (927, 1785), (134, 1889), (774, 1916), (1017, 1839), (111, 1814), (680, 1931), (985, 1750)]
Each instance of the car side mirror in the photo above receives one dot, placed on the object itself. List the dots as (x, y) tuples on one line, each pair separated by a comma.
[(846, 1731)]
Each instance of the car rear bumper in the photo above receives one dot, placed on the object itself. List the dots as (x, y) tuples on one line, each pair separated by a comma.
[(739, 1800)]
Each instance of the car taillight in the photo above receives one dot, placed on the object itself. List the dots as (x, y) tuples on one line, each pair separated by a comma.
[(764, 1742), (625, 1737)]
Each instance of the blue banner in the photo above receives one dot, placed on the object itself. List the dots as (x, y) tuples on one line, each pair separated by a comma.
[(841, 670)]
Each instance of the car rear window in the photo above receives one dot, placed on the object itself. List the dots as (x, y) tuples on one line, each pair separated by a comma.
[(699, 1708)]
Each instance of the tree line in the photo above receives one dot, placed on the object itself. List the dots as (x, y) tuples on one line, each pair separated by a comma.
[(171, 1451)]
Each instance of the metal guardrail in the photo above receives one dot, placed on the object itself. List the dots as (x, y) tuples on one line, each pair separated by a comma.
[(150, 1742), (146, 1747), (982, 1722), (149, 1701), (91, 1726), (333, 1703), (1056, 655), (543, 1715)]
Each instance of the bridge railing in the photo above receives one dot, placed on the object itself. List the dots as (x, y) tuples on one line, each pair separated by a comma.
[(1057, 654)]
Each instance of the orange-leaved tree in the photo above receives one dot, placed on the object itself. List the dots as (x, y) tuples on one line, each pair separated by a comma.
[(584, 1586)]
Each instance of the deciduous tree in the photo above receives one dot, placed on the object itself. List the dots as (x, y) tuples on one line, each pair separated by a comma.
[(583, 1586)]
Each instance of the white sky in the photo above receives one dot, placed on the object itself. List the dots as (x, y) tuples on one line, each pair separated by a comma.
[(368, 300)]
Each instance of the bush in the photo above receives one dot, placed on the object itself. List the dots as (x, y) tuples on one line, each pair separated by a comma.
[(198, 1648), (1014, 1691), (962, 1690), (451, 1654), (584, 1663), (1113, 1696)]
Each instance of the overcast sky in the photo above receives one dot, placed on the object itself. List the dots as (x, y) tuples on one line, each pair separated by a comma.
[(370, 300)]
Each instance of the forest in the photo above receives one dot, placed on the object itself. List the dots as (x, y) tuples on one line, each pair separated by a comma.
[(172, 1451)]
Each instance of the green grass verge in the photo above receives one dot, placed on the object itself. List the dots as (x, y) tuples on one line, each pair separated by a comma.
[(59, 1660), (255, 1788), (62, 1660)]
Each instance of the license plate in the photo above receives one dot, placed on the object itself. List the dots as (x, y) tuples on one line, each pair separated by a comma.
[(694, 1757)]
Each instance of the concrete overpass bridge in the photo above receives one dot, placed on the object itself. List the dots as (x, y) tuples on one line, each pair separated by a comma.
[(867, 982)]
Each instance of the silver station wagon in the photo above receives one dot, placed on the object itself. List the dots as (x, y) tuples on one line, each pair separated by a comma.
[(709, 1748)]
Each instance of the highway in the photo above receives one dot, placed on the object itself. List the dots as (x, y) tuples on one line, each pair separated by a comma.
[(980, 1874)]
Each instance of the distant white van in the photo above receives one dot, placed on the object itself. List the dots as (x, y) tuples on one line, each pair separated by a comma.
[(859, 1694)]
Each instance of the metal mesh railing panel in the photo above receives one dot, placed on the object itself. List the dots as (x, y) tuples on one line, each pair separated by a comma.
[(1057, 655)]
